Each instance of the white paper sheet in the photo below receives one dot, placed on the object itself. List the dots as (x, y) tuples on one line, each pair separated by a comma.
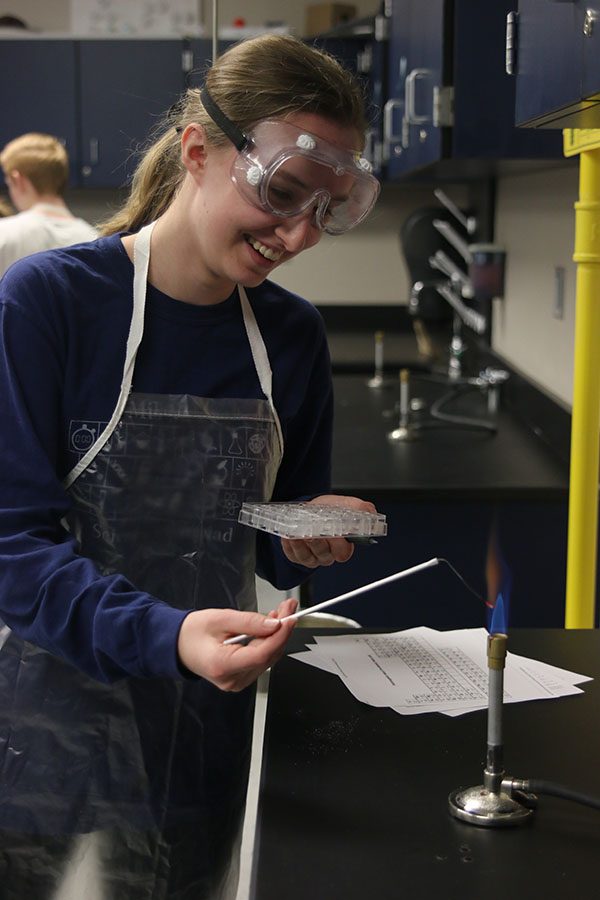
[(424, 670), (135, 17)]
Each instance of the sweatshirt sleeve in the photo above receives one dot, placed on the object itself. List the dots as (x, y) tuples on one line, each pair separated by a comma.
[(49, 594), (305, 470)]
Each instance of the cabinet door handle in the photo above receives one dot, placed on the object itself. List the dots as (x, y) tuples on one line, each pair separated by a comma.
[(591, 17), (412, 117), (512, 25), (389, 137)]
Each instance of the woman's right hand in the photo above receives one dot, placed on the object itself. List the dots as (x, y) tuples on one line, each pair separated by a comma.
[(232, 667)]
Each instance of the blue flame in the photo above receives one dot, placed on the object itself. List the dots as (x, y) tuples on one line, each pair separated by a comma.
[(497, 617), (498, 613), (499, 582)]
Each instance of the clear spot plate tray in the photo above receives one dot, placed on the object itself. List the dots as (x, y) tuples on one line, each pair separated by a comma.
[(307, 520)]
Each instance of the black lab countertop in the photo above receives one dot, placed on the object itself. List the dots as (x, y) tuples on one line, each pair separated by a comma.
[(439, 459), (353, 798)]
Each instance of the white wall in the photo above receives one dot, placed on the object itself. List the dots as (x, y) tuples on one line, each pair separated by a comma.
[(54, 15), (535, 222), (364, 266), (40, 15)]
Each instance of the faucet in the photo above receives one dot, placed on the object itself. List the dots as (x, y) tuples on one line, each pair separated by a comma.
[(457, 348), (469, 316), (462, 314), (490, 380), (447, 289), (415, 293)]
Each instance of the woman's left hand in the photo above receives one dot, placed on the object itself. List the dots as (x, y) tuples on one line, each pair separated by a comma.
[(314, 552)]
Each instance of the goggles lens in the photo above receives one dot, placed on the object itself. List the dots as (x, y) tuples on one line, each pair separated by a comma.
[(287, 171)]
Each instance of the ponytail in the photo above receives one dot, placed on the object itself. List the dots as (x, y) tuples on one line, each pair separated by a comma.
[(153, 187)]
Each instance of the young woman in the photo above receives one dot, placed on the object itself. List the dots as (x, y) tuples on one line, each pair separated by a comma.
[(153, 381)]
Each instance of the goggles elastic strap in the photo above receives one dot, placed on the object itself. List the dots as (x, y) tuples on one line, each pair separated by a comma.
[(235, 134)]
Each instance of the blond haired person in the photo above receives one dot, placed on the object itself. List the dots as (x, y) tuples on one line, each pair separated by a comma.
[(5, 208), (36, 170), (156, 379)]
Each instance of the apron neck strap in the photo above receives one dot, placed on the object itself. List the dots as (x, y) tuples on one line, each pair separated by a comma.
[(260, 357), (141, 262)]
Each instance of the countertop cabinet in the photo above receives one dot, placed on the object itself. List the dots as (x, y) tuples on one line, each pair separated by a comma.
[(450, 101), (38, 92), (557, 64)]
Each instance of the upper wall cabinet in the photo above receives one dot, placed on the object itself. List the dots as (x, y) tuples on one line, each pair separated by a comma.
[(126, 86), (362, 46), (38, 92), (557, 63), (102, 97), (450, 106)]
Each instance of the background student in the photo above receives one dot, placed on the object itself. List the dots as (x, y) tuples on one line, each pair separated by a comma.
[(36, 172)]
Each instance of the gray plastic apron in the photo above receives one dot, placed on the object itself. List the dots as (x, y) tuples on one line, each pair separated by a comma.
[(160, 765)]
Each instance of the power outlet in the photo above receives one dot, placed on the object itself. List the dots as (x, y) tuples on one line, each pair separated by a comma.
[(558, 306)]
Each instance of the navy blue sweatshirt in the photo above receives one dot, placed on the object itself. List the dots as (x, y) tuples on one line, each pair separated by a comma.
[(65, 317)]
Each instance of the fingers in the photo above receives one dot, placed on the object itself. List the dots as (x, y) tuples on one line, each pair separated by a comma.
[(325, 551), (232, 667), (341, 549), (245, 663), (339, 500), (286, 608), (318, 551)]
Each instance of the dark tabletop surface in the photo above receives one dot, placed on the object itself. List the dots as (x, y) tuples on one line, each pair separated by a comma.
[(441, 459), (353, 799)]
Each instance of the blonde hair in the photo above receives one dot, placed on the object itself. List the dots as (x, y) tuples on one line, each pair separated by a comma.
[(271, 76), (5, 208), (41, 158)]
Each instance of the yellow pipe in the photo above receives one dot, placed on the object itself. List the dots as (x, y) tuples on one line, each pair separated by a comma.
[(585, 427)]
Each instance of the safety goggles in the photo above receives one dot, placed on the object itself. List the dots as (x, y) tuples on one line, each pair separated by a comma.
[(286, 171)]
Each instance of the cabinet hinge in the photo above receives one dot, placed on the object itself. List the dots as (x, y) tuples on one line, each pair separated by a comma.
[(512, 29), (187, 60), (443, 106), (382, 28)]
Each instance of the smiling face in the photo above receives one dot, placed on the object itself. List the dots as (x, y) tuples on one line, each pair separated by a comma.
[(233, 240)]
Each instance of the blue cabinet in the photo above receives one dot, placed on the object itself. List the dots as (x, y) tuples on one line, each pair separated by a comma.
[(126, 86), (362, 47), (101, 97), (38, 92), (417, 80), (450, 106), (557, 64)]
